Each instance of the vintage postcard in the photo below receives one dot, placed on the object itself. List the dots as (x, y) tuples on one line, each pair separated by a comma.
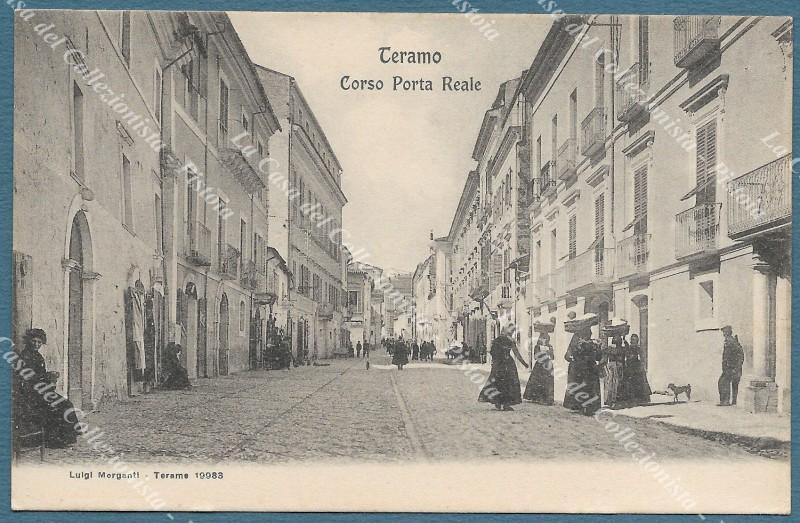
[(456, 262)]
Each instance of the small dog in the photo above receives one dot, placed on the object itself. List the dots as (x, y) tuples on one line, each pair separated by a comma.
[(680, 389)]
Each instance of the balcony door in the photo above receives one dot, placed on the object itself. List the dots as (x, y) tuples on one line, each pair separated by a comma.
[(224, 328)]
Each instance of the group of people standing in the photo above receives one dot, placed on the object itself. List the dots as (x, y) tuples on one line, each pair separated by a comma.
[(619, 364), (401, 350)]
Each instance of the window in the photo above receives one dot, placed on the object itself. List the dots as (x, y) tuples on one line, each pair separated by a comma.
[(705, 307), (706, 163), (599, 80), (245, 123), (242, 317), (77, 132), (640, 201), (260, 150), (125, 36), (224, 98), (243, 238), (538, 158), (573, 115), (157, 89), (644, 50), (127, 197), (573, 237), (599, 221), (554, 144), (553, 250), (353, 301), (158, 225), (191, 94)]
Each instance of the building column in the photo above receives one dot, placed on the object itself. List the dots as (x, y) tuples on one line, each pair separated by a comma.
[(760, 392), (783, 343)]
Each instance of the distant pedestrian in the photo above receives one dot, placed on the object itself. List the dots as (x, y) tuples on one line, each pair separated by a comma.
[(732, 361), (503, 388), (414, 350), (400, 356), (539, 388), (358, 349)]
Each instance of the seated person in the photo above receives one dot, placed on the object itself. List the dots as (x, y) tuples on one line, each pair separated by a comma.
[(35, 403), (175, 376)]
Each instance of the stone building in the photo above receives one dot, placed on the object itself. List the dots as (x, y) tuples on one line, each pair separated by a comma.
[(667, 208), (306, 201), (140, 196), (433, 320)]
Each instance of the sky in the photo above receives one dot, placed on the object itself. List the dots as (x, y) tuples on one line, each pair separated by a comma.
[(405, 154)]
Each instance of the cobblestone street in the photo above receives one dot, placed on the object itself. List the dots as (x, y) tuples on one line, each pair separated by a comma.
[(342, 411)]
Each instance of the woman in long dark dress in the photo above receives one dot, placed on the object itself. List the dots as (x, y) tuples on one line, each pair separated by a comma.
[(176, 377), (503, 388), (574, 377), (400, 355), (587, 360), (635, 388), (540, 383), (35, 403)]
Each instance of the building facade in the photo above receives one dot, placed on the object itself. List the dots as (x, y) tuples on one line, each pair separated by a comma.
[(664, 206), (433, 318), (640, 181), (306, 201)]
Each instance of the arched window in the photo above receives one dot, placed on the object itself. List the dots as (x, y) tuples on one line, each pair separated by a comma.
[(242, 317)]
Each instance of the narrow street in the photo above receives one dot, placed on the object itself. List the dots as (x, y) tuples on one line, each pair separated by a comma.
[(341, 412)]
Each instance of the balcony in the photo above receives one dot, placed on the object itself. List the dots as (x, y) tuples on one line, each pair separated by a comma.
[(229, 262), (197, 246), (250, 275), (594, 269), (631, 93), (695, 38), (633, 255), (480, 289), (238, 151), (593, 131), (566, 162), (697, 230), (546, 181), (550, 286), (761, 200), (325, 311)]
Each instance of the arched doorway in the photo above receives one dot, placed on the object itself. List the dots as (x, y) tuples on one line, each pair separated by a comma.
[(79, 324), (224, 327), (190, 324)]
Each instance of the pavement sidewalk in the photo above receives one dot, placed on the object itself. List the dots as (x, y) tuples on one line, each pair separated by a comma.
[(709, 420)]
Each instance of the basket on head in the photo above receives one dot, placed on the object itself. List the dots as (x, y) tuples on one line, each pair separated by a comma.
[(544, 327), (581, 322)]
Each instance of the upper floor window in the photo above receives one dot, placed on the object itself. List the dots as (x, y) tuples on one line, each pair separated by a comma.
[(127, 194), (224, 99), (77, 131), (125, 36), (157, 90), (644, 50)]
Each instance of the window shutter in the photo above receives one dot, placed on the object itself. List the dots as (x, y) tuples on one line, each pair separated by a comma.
[(640, 200), (573, 236), (599, 219), (706, 162)]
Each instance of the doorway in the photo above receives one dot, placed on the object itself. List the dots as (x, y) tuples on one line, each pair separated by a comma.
[(642, 308), (224, 327), (78, 383)]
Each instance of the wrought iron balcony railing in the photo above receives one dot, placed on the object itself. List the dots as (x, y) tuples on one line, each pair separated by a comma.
[(249, 278), (695, 38), (229, 262), (197, 245), (633, 255), (761, 199), (593, 267), (567, 156), (697, 230), (593, 130), (631, 93)]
